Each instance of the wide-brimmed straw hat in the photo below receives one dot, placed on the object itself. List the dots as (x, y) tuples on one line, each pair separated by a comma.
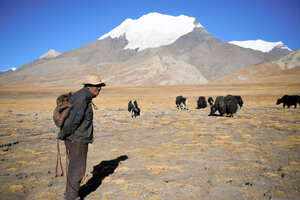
[(93, 79)]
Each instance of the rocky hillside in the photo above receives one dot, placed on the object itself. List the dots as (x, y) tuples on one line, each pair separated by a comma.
[(278, 69)]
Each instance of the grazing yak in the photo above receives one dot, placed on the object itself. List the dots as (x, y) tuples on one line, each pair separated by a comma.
[(133, 108), (219, 106), (239, 100), (224, 105), (289, 100), (210, 101), (181, 102), (201, 103)]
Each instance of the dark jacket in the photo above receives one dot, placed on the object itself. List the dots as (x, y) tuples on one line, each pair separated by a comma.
[(78, 126)]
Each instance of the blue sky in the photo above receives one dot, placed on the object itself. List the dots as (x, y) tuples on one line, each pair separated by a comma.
[(29, 28)]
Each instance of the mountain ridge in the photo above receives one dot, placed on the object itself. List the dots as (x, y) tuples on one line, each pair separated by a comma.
[(197, 54)]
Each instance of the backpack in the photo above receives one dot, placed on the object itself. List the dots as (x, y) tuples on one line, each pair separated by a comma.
[(62, 110), (63, 107)]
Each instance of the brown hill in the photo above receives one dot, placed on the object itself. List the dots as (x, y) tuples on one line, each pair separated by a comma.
[(251, 72), (288, 75), (266, 72)]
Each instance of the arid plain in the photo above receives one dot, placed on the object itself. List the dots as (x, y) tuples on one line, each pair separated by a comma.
[(172, 154)]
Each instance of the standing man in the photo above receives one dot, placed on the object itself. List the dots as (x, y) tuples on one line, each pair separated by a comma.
[(77, 132)]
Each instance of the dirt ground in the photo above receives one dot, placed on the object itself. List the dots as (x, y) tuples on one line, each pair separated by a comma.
[(172, 154)]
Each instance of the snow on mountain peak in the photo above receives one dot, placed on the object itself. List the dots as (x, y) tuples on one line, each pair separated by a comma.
[(153, 30), (8, 71), (260, 45)]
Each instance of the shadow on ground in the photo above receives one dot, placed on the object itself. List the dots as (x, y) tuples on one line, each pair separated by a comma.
[(100, 171)]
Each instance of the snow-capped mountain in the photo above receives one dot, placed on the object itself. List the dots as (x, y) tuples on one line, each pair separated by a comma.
[(8, 70), (155, 49), (263, 46), (153, 30)]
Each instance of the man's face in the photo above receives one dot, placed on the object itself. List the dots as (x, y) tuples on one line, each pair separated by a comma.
[(94, 89)]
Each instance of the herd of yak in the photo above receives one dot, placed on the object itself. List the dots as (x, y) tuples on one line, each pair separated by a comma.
[(227, 105)]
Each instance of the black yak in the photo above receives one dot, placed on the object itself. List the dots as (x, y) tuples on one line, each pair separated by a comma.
[(289, 100), (133, 108), (181, 102), (201, 103), (219, 106), (225, 105)]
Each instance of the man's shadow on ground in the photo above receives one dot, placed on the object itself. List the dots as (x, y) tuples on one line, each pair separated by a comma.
[(102, 170)]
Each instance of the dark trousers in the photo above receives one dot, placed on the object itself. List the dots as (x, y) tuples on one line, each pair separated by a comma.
[(77, 154)]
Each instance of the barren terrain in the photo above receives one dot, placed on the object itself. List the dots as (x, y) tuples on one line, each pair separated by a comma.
[(172, 154)]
